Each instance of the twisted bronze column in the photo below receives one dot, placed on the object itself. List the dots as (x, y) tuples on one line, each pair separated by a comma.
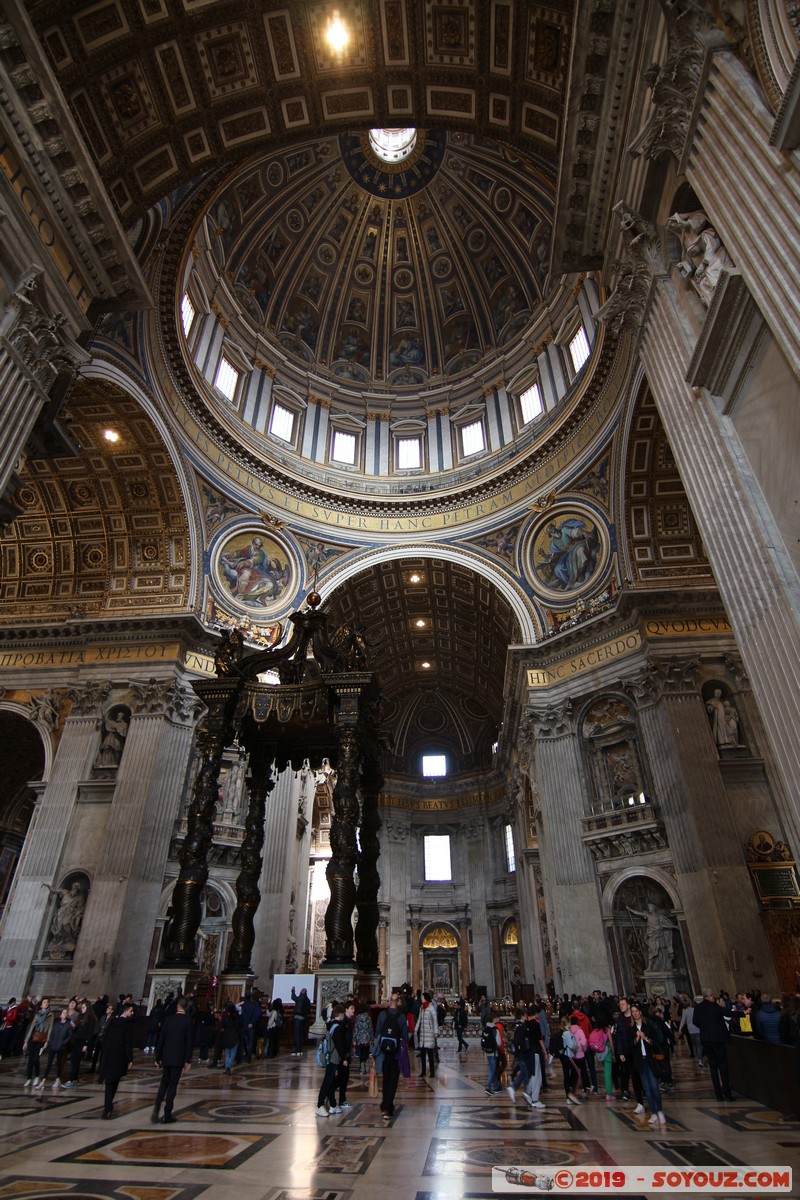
[(178, 945), (248, 894), (340, 871), (369, 881)]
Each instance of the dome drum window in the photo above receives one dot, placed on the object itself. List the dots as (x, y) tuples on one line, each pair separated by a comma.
[(531, 403), (226, 379)]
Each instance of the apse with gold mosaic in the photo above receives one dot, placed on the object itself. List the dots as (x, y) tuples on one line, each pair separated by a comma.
[(251, 570), (385, 256)]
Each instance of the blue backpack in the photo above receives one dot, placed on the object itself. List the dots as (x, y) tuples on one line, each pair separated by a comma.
[(326, 1051)]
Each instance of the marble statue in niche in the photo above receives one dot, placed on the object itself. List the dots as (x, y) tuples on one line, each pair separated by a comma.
[(115, 731), (67, 918), (724, 720), (658, 937), (704, 256)]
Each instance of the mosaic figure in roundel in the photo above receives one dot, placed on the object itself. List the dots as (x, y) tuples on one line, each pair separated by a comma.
[(566, 552), (253, 570)]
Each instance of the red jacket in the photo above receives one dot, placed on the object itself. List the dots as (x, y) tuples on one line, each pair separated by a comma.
[(583, 1021)]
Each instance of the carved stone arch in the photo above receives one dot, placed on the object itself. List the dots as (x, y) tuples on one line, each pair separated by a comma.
[(626, 900), (26, 754), (46, 737)]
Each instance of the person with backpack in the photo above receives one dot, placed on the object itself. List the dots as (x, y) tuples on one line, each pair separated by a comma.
[(389, 1032), (333, 1052), (563, 1046), (491, 1045), (343, 1074), (602, 1046), (427, 1034), (520, 1043)]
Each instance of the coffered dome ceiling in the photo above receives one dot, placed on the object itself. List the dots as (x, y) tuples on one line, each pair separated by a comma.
[(378, 273)]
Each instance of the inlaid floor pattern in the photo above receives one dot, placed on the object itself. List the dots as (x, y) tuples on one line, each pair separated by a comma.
[(255, 1135)]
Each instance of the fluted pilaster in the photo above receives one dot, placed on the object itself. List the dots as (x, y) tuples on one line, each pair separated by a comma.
[(749, 571), (130, 865), (570, 868)]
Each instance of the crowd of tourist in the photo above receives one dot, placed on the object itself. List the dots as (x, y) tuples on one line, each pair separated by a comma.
[(618, 1048)]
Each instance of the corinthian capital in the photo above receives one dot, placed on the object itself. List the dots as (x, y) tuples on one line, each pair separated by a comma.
[(553, 721)]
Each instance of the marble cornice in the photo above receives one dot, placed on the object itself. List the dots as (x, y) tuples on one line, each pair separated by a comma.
[(127, 629)]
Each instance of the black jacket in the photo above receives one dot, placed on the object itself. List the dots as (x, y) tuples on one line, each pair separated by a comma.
[(117, 1048), (710, 1020), (174, 1045)]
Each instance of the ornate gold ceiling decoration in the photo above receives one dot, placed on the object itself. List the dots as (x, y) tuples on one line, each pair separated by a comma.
[(104, 532), (663, 541), (164, 91)]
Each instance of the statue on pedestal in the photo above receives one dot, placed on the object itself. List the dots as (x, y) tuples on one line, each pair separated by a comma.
[(658, 937)]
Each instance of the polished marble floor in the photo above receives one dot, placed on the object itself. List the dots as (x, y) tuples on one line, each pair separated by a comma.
[(254, 1136)]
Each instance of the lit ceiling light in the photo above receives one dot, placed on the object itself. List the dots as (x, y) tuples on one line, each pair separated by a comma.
[(415, 578), (426, 666), (111, 435), (420, 624), (336, 33)]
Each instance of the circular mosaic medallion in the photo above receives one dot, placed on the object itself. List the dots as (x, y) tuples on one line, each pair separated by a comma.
[(442, 267), (364, 273), (326, 254), (251, 570), (566, 552), (294, 219), (275, 174), (403, 279)]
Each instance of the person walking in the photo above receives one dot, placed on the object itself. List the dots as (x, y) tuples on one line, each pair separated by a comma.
[(389, 1032), (117, 1058), (338, 1055), (343, 1074), (59, 1037), (646, 1045), (426, 1034), (173, 1057), (460, 1023), (154, 1019), (709, 1017), (36, 1038), (492, 1046)]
